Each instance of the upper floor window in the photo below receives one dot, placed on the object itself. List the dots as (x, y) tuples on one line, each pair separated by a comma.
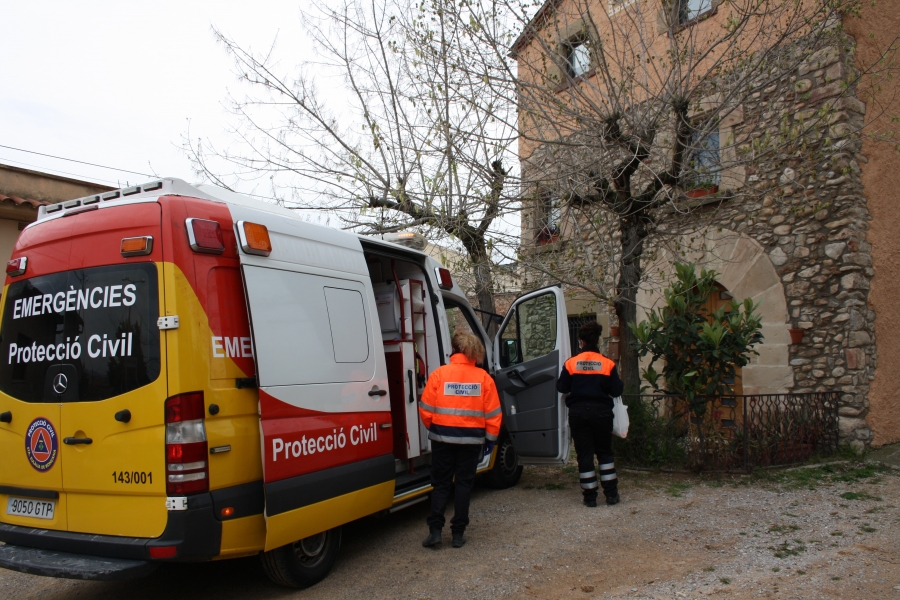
[(705, 162), (691, 9), (549, 215), (578, 57)]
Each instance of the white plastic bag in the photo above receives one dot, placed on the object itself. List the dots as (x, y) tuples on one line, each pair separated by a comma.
[(620, 418)]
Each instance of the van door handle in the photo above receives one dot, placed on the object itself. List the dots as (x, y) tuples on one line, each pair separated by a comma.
[(73, 441), (377, 392), (412, 392)]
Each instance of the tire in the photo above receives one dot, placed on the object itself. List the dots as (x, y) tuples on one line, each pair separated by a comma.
[(303, 563), (507, 471)]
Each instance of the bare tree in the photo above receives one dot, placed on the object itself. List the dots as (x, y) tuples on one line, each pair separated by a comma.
[(388, 129), (631, 110)]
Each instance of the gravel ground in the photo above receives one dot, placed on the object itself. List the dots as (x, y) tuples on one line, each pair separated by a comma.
[(825, 532)]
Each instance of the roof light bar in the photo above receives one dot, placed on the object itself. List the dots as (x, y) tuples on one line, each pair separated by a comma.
[(17, 266), (205, 236), (254, 238), (137, 246)]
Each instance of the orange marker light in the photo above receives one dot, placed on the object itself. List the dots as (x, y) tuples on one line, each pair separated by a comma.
[(227, 511), (137, 246), (254, 238)]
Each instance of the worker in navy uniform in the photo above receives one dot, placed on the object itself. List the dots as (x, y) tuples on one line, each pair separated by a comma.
[(591, 382)]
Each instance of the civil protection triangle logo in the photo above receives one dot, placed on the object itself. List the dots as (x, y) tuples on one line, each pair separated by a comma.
[(41, 444)]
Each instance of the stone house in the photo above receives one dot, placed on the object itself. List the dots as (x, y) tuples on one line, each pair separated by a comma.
[(804, 230), (22, 191)]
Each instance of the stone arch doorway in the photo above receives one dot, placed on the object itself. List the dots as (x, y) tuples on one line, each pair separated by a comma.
[(745, 271)]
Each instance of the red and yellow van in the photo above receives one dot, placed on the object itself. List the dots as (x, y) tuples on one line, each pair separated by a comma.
[(187, 374)]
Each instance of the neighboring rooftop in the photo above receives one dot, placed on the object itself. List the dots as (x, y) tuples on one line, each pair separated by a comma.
[(30, 189)]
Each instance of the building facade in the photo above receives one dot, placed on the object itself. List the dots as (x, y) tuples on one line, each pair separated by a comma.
[(802, 225)]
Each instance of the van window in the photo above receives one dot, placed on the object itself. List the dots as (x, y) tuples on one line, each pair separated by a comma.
[(307, 328), (82, 335), (347, 318)]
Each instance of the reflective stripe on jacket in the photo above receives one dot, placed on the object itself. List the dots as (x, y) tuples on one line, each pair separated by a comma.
[(590, 377), (460, 404)]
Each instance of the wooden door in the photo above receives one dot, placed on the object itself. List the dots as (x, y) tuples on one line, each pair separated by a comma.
[(731, 409)]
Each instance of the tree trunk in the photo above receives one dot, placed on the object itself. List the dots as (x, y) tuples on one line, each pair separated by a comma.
[(476, 248), (634, 232)]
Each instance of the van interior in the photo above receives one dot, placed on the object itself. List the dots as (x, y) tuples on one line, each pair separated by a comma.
[(413, 349)]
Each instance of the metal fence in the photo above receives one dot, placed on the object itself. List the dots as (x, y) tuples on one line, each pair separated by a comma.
[(728, 433)]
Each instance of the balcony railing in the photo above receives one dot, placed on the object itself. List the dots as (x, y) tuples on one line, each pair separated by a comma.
[(728, 433)]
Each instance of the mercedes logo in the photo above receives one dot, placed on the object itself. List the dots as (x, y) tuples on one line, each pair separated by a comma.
[(60, 383)]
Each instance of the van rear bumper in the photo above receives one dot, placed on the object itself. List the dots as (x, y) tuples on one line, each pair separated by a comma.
[(195, 533), (50, 563)]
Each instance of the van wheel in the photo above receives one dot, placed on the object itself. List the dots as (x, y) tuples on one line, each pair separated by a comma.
[(303, 563), (507, 471)]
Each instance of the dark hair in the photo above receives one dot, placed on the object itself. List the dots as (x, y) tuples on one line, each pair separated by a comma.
[(590, 332)]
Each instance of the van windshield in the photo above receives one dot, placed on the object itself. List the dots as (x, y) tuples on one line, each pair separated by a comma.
[(82, 335)]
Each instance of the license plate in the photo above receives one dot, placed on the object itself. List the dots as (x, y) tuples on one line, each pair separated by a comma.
[(25, 507)]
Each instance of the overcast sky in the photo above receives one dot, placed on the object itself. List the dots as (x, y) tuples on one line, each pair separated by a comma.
[(116, 82)]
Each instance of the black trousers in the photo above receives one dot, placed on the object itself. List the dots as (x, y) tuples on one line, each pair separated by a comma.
[(449, 461), (591, 426)]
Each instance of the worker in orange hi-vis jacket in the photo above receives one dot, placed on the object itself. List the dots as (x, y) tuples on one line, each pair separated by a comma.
[(461, 410), (591, 381)]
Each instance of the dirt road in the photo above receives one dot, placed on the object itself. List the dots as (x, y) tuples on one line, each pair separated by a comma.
[(827, 532)]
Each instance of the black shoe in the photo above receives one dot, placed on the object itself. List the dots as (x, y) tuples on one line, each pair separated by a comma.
[(590, 503), (433, 539), (458, 540), (613, 500)]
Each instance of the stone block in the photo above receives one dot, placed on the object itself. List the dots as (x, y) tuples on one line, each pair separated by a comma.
[(777, 220), (768, 380), (778, 257), (810, 272), (856, 358), (772, 355), (797, 289), (835, 250), (776, 334), (852, 104), (848, 425), (782, 230), (858, 258), (840, 130), (803, 86), (826, 91), (834, 72), (854, 281), (859, 338)]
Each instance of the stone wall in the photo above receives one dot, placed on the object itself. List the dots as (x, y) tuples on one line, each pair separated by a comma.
[(805, 211)]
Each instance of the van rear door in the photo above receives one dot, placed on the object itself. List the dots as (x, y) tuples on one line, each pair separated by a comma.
[(529, 350), (87, 348)]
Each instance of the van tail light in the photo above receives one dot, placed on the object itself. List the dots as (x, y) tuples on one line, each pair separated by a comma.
[(445, 281), (187, 469), (205, 236), (16, 266), (254, 238)]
